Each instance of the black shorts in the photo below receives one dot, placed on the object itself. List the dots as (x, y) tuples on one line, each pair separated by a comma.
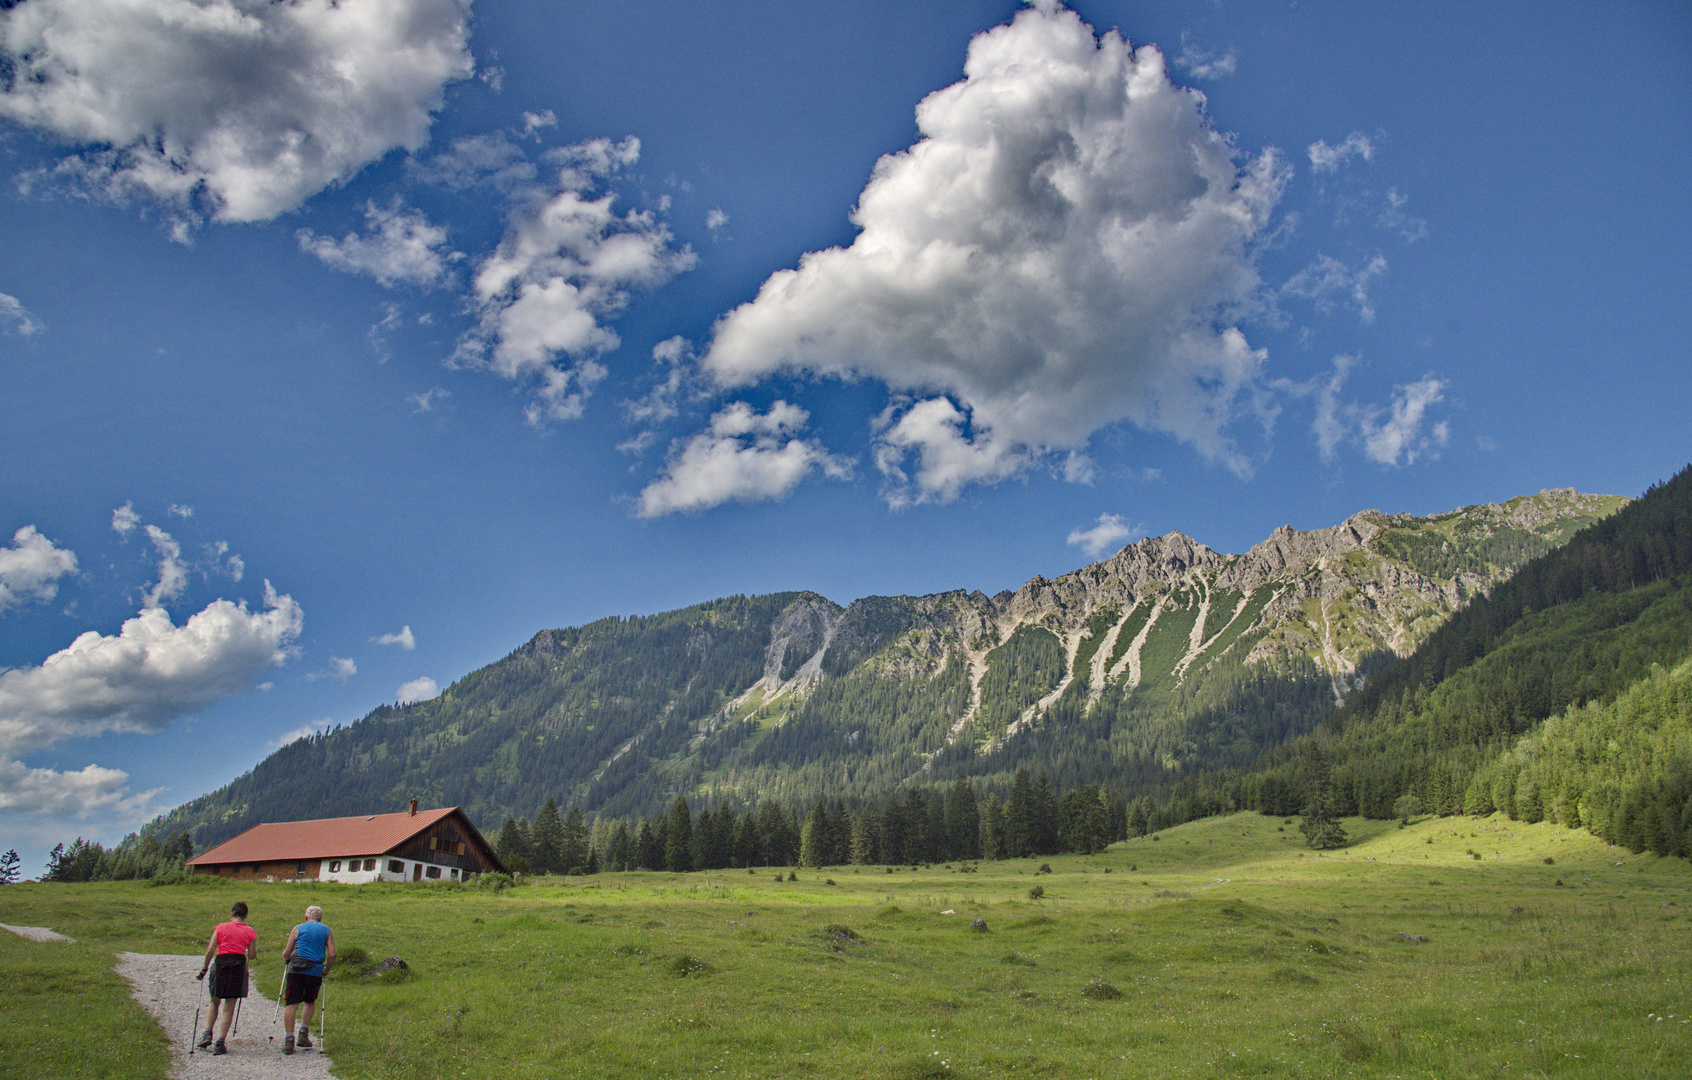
[(301, 988), (229, 976)]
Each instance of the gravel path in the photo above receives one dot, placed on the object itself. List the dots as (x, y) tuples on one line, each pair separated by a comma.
[(36, 933), (166, 986)]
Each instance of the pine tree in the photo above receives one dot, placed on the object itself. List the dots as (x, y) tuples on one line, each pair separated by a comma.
[(649, 850), (866, 831), (746, 846), (512, 847), (963, 821), (993, 829), (1019, 818), (813, 838), (839, 834), (546, 846), (618, 852), (573, 848), (1321, 830), (678, 841), (1043, 818), (9, 868)]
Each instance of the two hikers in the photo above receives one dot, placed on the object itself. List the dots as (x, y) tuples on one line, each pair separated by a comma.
[(232, 944), (310, 953)]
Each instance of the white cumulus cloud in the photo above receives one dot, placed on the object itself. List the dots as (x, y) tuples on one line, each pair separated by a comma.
[(1065, 248), (567, 263), (399, 245), (404, 639), (31, 568), (744, 456), (75, 794), (245, 108), (148, 674), (14, 313), (421, 689), (1110, 531)]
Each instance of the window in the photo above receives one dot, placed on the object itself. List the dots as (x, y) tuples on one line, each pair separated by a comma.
[(334, 866), (432, 872), (454, 873), (370, 864), (395, 866), (300, 871)]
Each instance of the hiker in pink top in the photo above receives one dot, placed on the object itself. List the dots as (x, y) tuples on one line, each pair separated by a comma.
[(232, 944)]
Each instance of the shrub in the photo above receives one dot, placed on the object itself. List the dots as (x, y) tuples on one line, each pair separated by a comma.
[(1100, 990), (179, 877), (1045, 868), (685, 965), (1040, 890)]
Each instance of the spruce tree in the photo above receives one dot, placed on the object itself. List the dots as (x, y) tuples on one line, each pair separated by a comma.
[(1019, 818), (546, 846), (963, 821), (993, 829), (649, 849), (813, 838), (573, 847), (678, 839), (1320, 828), (746, 847), (512, 847), (1043, 818), (9, 868)]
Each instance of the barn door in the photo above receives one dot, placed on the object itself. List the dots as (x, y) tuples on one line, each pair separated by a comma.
[(417, 872)]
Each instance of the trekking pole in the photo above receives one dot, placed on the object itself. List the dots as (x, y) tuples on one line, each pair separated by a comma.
[(235, 1028), (194, 1035), (322, 1012), (281, 989)]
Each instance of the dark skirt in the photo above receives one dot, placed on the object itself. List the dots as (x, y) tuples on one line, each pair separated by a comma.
[(229, 976)]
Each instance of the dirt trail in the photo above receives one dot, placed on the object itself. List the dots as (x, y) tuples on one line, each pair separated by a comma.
[(165, 985), (36, 933)]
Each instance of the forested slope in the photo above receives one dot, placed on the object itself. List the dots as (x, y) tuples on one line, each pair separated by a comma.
[(1497, 708), (1164, 662)]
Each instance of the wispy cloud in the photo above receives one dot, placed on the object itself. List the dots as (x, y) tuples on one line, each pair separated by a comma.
[(1109, 532), (403, 639)]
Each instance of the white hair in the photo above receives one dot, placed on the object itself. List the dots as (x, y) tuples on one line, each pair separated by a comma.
[(314, 913)]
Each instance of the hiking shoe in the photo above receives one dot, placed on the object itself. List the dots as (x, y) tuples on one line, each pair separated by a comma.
[(287, 1044), (303, 1040), (219, 1048), (205, 1039)]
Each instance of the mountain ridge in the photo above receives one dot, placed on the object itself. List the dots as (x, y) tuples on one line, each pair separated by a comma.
[(1163, 657)]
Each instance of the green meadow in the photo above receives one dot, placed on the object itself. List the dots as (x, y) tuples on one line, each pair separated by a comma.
[(1455, 947)]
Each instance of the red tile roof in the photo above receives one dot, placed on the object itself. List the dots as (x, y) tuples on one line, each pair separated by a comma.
[(325, 838)]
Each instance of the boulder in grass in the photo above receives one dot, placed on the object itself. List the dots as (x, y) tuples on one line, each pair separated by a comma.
[(979, 926)]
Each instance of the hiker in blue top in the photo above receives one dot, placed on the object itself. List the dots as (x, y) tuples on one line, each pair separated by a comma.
[(310, 953)]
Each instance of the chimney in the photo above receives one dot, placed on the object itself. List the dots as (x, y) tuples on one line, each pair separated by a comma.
[(414, 808)]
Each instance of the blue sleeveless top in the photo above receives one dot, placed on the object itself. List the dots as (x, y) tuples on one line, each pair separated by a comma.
[(311, 941)]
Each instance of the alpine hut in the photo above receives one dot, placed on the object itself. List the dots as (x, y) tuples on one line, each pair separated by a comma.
[(414, 845)]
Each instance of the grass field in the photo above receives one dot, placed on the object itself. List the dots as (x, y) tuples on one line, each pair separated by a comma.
[(1222, 948)]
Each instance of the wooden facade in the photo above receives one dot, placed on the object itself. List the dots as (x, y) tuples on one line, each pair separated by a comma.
[(427, 846)]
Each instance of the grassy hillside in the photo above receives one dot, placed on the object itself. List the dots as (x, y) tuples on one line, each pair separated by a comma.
[(1234, 950)]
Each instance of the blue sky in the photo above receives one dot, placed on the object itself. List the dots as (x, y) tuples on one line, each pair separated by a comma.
[(456, 321)]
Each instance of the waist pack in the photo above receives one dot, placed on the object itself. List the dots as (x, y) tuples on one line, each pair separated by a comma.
[(301, 965)]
